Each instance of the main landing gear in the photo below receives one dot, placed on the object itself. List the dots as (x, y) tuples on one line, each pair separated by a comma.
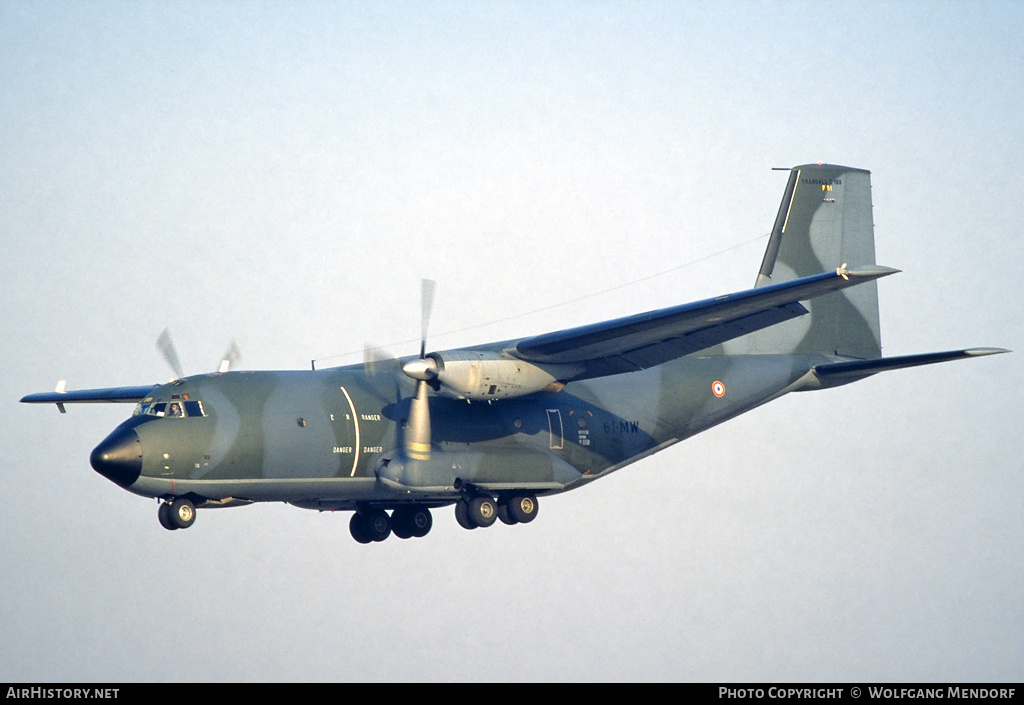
[(481, 511), (473, 511), (178, 513), (371, 524)]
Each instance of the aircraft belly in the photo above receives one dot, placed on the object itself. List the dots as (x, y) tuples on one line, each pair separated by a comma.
[(493, 470), (266, 490)]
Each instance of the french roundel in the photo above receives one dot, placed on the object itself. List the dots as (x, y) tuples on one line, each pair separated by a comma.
[(717, 388)]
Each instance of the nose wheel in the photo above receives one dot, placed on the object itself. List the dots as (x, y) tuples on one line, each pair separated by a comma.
[(178, 513)]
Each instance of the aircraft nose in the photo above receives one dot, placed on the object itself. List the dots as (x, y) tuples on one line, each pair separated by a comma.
[(119, 457)]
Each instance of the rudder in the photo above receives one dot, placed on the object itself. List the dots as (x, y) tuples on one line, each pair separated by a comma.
[(824, 222)]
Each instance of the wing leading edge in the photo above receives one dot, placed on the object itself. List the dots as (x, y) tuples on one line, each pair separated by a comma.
[(622, 344), (106, 395), (648, 339)]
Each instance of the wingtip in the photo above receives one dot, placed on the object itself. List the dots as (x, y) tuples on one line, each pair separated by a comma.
[(979, 352), (872, 270)]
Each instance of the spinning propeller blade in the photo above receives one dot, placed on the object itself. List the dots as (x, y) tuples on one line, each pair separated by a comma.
[(417, 434), (166, 347), (426, 304), (378, 360), (231, 357)]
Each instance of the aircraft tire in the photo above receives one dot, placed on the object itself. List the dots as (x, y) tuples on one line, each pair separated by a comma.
[(462, 515), (482, 511), (401, 523), (358, 528), (523, 508), (503, 514), (182, 513), (421, 521), (164, 515), (378, 525)]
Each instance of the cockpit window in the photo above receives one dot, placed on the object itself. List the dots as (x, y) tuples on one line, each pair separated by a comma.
[(174, 409)]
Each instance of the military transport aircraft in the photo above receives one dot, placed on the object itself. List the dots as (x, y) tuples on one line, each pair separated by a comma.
[(493, 427)]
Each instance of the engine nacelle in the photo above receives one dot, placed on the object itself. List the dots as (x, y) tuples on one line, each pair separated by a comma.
[(490, 375)]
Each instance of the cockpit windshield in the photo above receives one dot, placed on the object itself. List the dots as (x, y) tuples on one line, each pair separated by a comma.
[(176, 408)]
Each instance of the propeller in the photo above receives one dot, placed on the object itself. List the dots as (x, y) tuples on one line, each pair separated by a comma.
[(375, 359), (166, 347), (424, 369), (427, 288), (230, 358), (165, 344)]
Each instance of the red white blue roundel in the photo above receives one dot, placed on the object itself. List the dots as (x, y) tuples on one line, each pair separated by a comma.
[(717, 388)]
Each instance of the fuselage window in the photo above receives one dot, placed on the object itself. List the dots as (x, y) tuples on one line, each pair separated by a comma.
[(171, 410)]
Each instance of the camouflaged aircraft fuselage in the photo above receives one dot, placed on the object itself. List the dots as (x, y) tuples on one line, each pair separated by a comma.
[(323, 438)]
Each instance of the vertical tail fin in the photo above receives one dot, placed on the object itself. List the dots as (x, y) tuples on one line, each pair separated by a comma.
[(824, 221)]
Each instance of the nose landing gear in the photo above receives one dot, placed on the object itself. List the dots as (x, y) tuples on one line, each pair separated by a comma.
[(178, 513)]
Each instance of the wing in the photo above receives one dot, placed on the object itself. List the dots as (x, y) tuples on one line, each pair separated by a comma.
[(107, 395), (649, 339)]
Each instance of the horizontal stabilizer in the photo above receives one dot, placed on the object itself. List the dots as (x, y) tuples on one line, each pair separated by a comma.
[(842, 372), (649, 339)]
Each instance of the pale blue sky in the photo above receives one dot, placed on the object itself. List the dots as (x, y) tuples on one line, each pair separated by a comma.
[(284, 174)]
